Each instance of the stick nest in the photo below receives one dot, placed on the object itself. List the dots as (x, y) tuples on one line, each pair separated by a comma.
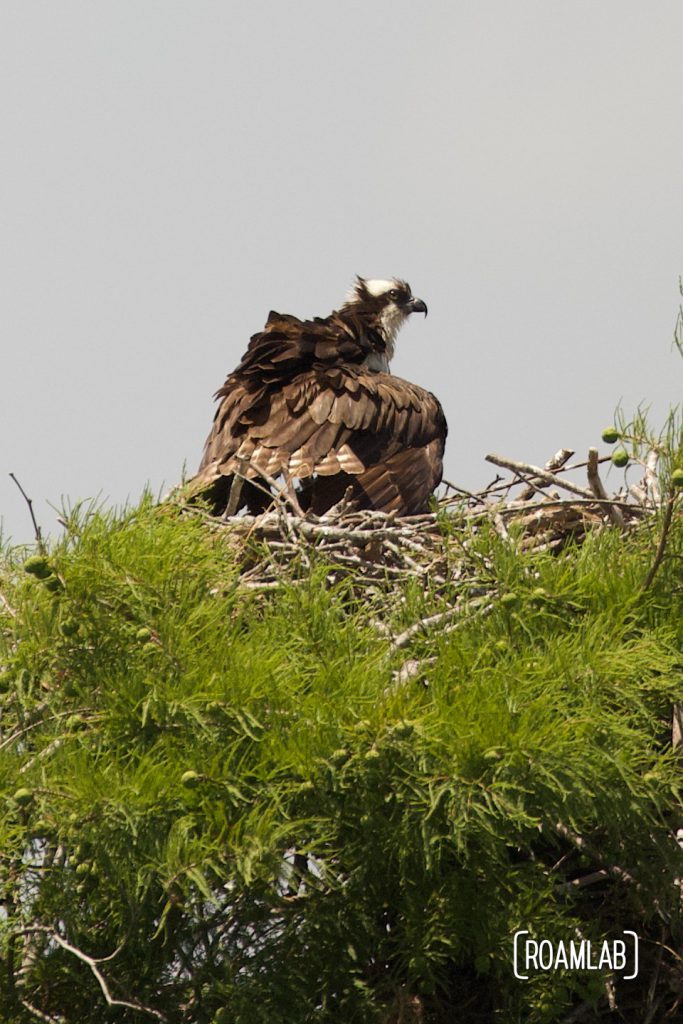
[(537, 509)]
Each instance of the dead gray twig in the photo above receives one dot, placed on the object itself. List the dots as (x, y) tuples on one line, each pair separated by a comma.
[(677, 728), (581, 883), (39, 1015), (93, 964), (651, 481), (599, 491), (559, 459), (526, 469)]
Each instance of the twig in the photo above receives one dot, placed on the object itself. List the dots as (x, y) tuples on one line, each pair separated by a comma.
[(599, 491), (677, 727), (39, 1015), (460, 492), (422, 625), (36, 528), (496, 486), (7, 606), (36, 722), (92, 963), (343, 506), (581, 883), (525, 469), (408, 670), (479, 605), (285, 492), (584, 847), (552, 465), (651, 482), (235, 491), (638, 493), (611, 993), (535, 506), (661, 547), (500, 528)]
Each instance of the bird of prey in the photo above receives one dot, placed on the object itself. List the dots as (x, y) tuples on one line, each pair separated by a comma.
[(313, 404)]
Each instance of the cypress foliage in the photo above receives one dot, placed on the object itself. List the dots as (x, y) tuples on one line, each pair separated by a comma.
[(222, 805)]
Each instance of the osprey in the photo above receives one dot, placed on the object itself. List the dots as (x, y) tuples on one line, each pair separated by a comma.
[(313, 403)]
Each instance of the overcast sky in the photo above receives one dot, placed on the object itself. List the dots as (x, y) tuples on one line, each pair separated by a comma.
[(173, 170)]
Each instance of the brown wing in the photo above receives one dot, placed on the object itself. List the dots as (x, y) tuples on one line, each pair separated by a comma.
[(285, 349), (291, 410), (401, 483), (375, 432), (287, 346)]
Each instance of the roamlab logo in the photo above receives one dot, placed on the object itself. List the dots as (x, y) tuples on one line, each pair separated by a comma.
[(620, 956)]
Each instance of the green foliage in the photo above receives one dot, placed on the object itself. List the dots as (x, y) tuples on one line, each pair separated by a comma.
[(230, 795)]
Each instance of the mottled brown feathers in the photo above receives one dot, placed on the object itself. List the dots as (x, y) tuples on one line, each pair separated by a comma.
[(305, 405)]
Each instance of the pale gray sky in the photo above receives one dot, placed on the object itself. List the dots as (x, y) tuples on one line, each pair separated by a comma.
[(172, 170)]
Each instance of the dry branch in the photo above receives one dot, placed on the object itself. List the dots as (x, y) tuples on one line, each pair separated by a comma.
[(529, 473), (598, 489), (583, 846), (93, 964), (553, 464)]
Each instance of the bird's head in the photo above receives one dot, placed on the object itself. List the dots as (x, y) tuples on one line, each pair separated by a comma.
[(390, 302)]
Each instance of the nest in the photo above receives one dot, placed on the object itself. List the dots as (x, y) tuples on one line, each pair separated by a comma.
[(524, 506)]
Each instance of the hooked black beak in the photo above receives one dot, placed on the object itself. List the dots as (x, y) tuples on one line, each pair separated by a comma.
[(417, 306)]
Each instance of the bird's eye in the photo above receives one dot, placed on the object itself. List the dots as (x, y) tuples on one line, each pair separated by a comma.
[(393, 294)]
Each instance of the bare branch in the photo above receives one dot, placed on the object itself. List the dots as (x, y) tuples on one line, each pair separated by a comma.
[(92, 963), (36, 528), (235, 492), (585, 847), (422, 625), (552, 465), (677, 728), (661, 547), (526, 469), (581, 883), (651, 481), (39, 1015), (599, 491)]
